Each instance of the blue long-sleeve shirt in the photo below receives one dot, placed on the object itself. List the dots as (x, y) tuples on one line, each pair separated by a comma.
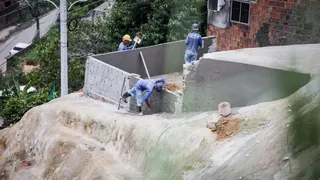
[(193, 42), (123, 47), (148, 86)]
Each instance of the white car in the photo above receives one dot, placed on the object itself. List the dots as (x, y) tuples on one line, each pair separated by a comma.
[(30, 90), (18, 47)]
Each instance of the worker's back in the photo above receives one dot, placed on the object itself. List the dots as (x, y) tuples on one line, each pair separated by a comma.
[(193, 41), (143, 84)]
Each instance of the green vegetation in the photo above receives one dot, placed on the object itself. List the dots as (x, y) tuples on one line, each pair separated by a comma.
[(159, 21)]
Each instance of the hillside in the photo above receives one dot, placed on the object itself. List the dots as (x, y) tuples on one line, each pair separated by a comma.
[(79, 138)]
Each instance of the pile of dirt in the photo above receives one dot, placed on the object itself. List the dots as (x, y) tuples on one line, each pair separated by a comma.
[(227, 126), (174, 81), (174, 87), (29, 68)]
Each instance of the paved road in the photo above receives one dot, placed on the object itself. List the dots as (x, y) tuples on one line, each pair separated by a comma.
[(26, 36)]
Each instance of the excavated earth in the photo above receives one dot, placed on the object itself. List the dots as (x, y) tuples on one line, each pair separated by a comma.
[(75, 137)]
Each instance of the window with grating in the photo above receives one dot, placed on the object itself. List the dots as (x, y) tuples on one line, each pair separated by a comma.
[(213, 5)]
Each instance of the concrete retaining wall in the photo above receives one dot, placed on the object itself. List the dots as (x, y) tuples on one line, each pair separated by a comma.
[(160, 59), (104, 82), (105, 73), (209, 82)]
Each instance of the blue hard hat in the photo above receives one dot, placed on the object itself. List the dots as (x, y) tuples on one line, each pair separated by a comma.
[(195, 26), (158, 87)]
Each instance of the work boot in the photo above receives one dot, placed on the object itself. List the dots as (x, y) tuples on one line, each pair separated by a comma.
[(125, 96), (140, 111)]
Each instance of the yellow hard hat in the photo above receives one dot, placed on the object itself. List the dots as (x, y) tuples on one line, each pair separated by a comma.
[(126, 38)]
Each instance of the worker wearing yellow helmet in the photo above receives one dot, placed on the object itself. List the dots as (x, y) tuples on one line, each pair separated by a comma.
[(123, 46)]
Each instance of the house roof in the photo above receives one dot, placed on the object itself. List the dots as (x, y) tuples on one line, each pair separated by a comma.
[(104, 6)]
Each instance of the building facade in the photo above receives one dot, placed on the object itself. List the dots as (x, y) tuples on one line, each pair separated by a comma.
[(243, 24), (8, 12)]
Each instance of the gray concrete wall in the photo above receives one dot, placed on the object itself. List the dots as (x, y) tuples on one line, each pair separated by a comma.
[(209, 82), (160, 59), (104, 82)]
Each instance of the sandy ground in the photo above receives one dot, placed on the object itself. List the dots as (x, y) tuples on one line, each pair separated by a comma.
[(174, 81)]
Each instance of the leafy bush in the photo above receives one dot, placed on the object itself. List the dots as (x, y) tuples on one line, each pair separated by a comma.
[(17, 105)]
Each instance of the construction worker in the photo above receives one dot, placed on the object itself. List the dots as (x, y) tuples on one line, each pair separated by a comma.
[(193, 42), (123, 46), (144, 85)]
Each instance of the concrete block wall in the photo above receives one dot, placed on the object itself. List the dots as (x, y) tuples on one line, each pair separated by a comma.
[(209, 82), (103, 81)]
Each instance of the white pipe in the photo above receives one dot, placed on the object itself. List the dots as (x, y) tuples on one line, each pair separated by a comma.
[(145, 66)]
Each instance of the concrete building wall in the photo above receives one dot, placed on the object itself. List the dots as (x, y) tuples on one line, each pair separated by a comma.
[(210, 82), (271, 22), (160, 59)]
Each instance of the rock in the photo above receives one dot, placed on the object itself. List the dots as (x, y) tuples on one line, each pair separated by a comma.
[(286, 159), (224, 109), (210, 125)]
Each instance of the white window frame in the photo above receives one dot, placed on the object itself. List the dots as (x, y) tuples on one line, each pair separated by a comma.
[(239, 22)]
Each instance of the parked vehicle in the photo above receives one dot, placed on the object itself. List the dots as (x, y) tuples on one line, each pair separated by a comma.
[(29, 91), (18, 47)]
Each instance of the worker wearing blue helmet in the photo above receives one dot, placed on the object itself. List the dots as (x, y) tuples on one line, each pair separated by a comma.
[(193, 42), (144, 85)]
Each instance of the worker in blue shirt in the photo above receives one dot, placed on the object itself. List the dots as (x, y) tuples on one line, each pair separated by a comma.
[(193, 42), (123, 46), (144, 85)]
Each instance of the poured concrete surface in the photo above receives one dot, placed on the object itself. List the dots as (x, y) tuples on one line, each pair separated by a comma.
[(302, 58), (209, 82)]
